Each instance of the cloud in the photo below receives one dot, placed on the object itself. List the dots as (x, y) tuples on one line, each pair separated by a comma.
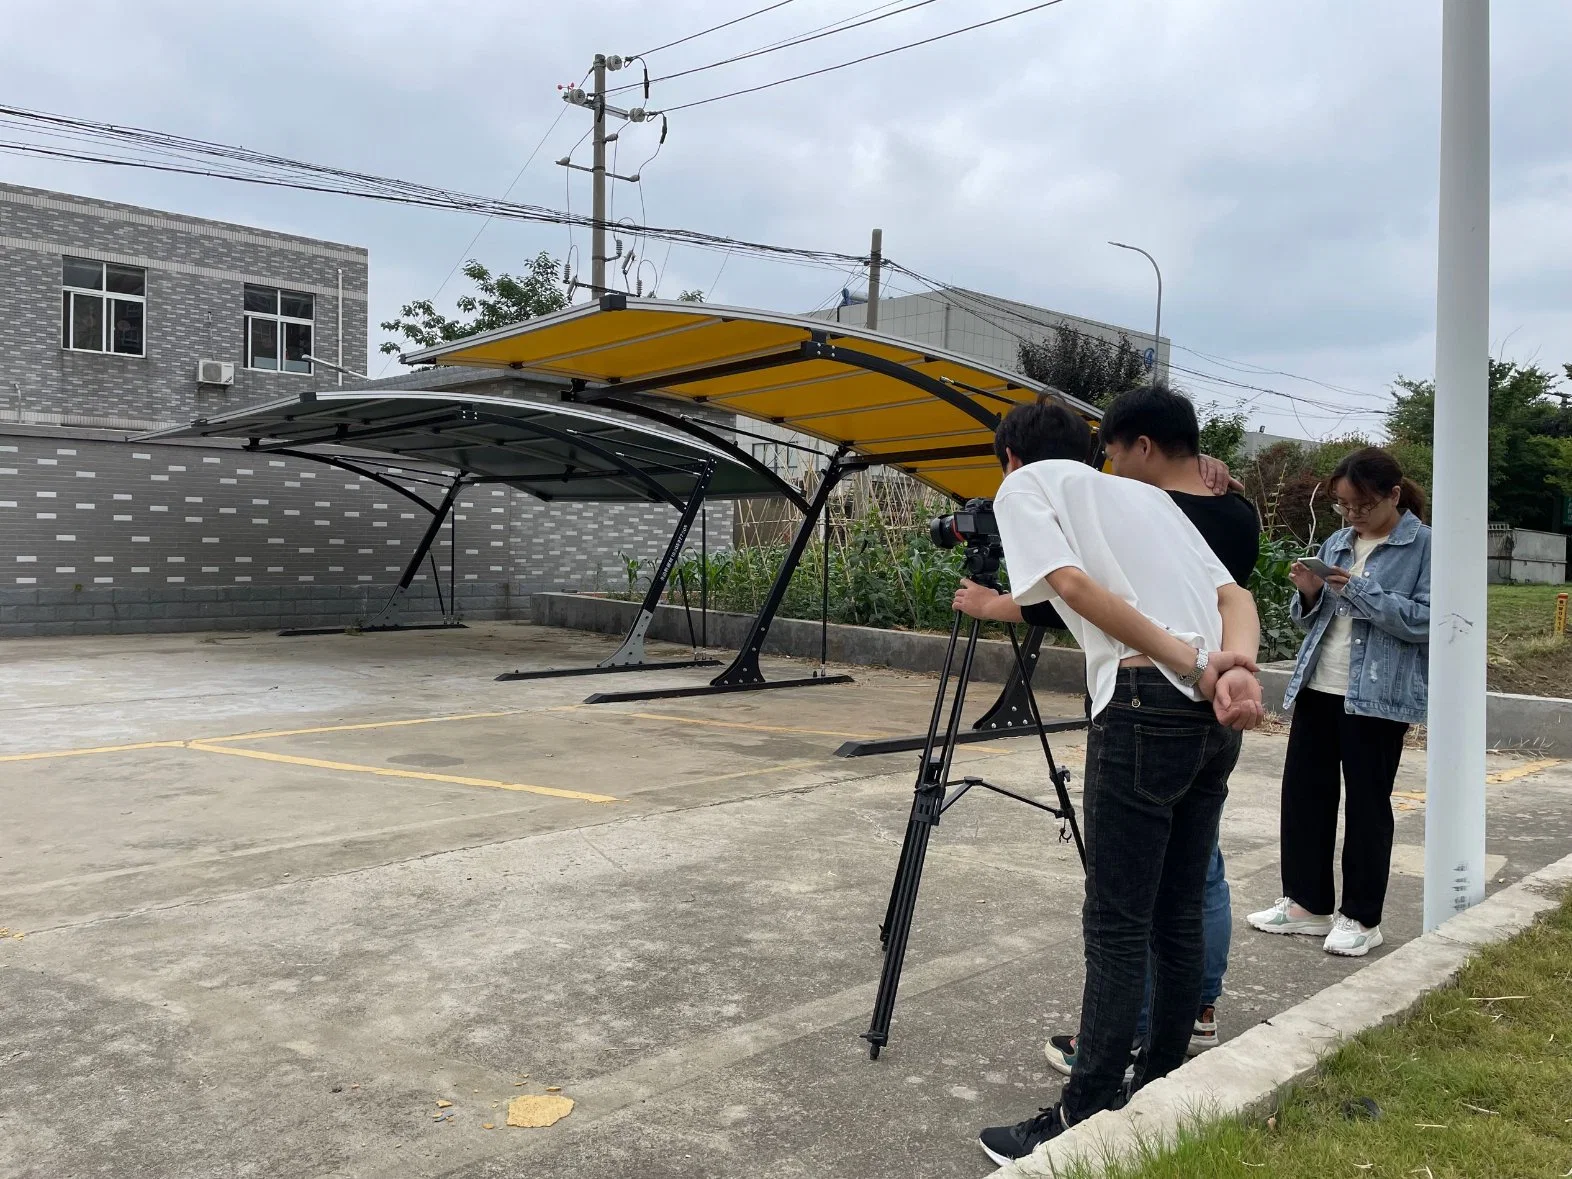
[(1279, 160)]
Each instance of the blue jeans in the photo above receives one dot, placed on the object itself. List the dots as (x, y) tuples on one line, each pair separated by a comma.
[(1157, 766), (1217, 927)]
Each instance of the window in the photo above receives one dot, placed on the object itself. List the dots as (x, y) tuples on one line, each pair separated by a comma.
[(278, 329), (103, 307)]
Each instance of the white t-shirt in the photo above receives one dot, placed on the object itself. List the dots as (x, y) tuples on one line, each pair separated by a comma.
[(1128, 537), (1331, 663)]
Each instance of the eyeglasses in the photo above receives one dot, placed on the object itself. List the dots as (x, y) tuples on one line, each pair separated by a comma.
[(1355, 511)]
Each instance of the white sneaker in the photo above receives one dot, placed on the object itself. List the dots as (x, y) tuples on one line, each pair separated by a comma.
[(1350, 939), (1280, 918)]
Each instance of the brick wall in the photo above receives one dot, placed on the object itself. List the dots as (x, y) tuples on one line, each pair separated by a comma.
[(100, 534), (196, 271)]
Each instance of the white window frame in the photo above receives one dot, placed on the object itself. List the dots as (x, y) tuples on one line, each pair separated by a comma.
[(279, 321), (105, 298)]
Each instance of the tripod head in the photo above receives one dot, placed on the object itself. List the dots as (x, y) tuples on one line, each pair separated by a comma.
[(981, 561)]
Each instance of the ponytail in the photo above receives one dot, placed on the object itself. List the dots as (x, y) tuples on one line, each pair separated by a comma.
[(1375, 473), (1412, 498)]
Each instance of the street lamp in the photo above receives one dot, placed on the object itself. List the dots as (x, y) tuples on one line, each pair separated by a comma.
[(1157, 332)]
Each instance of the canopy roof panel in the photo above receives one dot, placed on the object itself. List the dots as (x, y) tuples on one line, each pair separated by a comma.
[(920, 410), (555, 452)]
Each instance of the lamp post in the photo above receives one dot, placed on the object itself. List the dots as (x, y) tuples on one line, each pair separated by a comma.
[(1157, 332)]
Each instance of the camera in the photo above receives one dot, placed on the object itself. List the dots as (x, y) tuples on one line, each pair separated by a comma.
[(973, 525)]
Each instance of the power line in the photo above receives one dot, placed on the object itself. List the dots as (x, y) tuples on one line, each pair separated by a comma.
[(790, 43), (866, 57), (716, 28)]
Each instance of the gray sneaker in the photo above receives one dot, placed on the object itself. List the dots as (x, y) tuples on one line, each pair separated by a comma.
[(1280, 919)]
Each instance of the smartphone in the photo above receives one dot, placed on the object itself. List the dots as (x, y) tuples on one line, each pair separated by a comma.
[(1317, 566)]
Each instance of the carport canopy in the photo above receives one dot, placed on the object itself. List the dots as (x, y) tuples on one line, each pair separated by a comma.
[(904, 405), (552, 451)]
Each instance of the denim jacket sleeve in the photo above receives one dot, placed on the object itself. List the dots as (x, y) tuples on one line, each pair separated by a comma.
[(1302, 617), (1404, 616)]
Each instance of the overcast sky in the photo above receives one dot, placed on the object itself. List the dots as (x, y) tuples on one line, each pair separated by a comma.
[(1278, 159)]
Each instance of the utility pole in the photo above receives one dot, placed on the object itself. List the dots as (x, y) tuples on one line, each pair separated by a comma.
[(1455, 761), (595, 102), (875, 264), (598, 209)]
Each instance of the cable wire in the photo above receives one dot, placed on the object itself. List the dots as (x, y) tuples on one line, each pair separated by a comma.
[(789, 43), (866, 57), (715, 28)]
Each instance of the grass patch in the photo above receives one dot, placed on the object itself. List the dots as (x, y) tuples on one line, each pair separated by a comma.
[(1524, 655), (1473, 1084)]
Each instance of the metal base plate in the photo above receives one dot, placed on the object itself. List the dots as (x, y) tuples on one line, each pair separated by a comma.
[(297, 632), (558, 672), (715, 689), (878, 745)]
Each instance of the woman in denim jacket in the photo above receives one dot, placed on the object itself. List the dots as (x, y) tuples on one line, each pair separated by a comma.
[(1359, 682)]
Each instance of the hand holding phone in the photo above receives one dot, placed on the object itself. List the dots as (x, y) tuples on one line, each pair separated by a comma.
[(1319, 567)]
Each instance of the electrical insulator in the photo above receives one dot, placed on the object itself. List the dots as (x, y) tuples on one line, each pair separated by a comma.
[(565, 276), (574, 96), (638, 114), (613, 62), (618, 242), (639, 291), (664, 127), (627, 262)]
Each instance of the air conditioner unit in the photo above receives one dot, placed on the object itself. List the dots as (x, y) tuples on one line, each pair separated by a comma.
[(215, 372)]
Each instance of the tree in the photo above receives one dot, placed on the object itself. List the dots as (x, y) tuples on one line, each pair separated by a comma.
[(1530, 464), (1082, 365), (694, 296), (500, 301), (1222, 434)]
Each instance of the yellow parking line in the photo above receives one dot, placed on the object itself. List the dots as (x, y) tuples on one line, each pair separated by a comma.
[(1523, 770), (419, 720), (720, 724), (384, 772), (92, 749)]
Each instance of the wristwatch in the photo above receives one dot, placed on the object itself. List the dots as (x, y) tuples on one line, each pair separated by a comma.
[(1194, 676)]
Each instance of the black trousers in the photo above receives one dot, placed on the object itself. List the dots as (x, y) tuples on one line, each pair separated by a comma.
[(1323, 740), (1157, 766)]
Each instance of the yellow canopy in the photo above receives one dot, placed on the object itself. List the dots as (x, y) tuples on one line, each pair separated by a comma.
[(920, 410)]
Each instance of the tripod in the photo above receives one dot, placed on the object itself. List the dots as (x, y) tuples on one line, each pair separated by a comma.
[(933, 794)]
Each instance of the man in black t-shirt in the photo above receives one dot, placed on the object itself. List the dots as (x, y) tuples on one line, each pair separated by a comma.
[(1151, 434)]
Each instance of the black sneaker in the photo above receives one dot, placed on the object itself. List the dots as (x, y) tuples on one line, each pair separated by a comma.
[(1005, 1144)]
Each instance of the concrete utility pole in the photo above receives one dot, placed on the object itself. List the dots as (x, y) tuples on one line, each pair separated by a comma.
[(595, 101), (598, 208), (1157, 332), (1455, 761), (875, 264)]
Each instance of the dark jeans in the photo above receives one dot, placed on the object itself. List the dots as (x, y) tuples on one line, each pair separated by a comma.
[(1217, 925), (1323, 739), (1157, 767)]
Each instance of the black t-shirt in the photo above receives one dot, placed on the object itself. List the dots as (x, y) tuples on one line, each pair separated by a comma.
[(1227, 523)]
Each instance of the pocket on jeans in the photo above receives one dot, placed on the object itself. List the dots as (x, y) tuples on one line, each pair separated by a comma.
[(1167, 760)]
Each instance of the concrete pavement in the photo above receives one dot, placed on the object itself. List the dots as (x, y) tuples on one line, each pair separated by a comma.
[(335, 880)]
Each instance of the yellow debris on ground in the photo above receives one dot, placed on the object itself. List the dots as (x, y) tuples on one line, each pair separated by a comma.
[(533, 1112)]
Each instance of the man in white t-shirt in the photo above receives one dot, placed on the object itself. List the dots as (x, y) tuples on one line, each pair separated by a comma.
[(1170, 640)]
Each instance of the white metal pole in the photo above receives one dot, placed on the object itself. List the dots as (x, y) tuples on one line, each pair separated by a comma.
[(1455, 798)]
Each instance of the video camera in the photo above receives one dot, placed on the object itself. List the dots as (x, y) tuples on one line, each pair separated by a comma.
[(973, 525)]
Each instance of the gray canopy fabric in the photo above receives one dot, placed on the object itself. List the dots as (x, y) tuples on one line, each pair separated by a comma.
[(554, 452)]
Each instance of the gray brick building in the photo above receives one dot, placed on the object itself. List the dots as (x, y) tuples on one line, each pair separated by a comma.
[(106, 313)]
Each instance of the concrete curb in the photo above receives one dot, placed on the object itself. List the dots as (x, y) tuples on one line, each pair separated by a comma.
[(1244, 1076)]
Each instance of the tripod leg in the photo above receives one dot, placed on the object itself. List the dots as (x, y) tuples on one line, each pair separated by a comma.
[(897, 928), (922, 774), (927, 805), (1059, 777)]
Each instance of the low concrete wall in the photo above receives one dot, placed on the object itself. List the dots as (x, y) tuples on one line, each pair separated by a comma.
[(1059, 669), (1511, 721), (35, 612)]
